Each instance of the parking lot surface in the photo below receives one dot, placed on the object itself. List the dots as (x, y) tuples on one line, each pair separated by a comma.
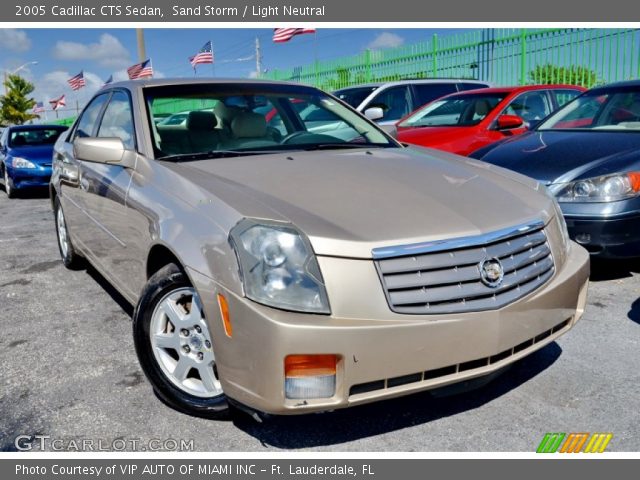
[(68, 371)]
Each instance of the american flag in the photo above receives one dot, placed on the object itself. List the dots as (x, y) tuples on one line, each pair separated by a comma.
[(140, 70), (109, 80), (205, 55), (281, 35), (77, 81), (56, 103), (38, 107)]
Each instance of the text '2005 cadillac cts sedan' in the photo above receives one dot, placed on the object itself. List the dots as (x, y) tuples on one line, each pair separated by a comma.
[(286, 270)]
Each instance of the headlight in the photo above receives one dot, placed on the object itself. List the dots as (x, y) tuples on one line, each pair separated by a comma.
[(278, 267), (19, 162), (607, 188)]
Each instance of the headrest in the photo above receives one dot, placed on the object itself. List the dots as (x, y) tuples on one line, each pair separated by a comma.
[(482, 108), (249, 125), (199, 120), (19, 140), (226, 114)]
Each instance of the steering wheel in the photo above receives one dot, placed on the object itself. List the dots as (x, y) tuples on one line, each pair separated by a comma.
[(287, 139)]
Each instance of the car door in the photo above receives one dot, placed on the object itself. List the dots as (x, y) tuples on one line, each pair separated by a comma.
[(72, 184), (106, 190)]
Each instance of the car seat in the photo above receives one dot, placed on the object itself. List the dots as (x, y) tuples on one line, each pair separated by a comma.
[(201, 131), (249, 130)]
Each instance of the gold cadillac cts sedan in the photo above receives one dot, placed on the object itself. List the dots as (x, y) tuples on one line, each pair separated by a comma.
[(286, 255)]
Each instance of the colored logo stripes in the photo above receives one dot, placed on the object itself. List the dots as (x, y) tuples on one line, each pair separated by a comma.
[(574, 443)]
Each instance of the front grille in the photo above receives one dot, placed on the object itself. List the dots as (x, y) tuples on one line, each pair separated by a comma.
[(440, 373), (444, 277)]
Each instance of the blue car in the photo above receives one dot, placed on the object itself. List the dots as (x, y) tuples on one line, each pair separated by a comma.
[(25, 156), (588, 156)]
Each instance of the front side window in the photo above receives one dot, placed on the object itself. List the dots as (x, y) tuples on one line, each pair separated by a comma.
[(87, 123), (461, 110), (395, 102), (530, 106), (254, 118), (117, 120), (564, 96), (354, 96)]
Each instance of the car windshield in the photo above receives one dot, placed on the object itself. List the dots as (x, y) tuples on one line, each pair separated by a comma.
[(34, 137), (462, 110), (354, 96), (254, 118), (601, 109)]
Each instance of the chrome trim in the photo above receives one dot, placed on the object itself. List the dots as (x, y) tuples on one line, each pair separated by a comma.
[(455, 243)]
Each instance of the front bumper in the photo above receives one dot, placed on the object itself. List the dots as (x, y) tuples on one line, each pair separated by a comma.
[(615, 237), (30, 177), (383, 357)]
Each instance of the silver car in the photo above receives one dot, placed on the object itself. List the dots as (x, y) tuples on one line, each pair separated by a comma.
[(295, 271)]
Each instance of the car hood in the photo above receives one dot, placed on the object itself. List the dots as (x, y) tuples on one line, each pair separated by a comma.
[(40, 154), (562, 156), (349, 202)]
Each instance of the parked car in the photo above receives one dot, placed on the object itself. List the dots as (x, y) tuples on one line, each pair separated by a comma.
[(588, 156), (310, 273), (25, 156), (388, 102), (463, 122)]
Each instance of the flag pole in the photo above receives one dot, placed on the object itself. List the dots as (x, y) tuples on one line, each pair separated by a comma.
[(213, 60)]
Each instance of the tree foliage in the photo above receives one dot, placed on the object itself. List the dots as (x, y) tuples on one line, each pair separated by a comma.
[(574, 75), (16, 106)]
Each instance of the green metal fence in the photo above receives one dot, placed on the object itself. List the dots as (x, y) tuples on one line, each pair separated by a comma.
[(500, 56)]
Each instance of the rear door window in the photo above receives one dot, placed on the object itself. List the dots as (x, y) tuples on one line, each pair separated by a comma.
[(428, 92)]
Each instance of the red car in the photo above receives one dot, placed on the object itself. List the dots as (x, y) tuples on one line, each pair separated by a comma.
[(464, 122)]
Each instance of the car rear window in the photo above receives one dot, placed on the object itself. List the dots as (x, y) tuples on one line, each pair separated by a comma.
[(34, 137)]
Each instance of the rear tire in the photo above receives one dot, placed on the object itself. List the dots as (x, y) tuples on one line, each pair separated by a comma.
[(174, 347), (70, 258)]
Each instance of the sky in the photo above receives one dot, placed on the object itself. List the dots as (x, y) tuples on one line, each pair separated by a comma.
[(62, 53)]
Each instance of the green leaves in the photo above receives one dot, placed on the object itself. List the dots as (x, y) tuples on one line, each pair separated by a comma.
[(16, 107)]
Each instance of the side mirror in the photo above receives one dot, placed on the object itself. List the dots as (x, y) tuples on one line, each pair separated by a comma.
[(509, 122), (391, 130), (99, 150), (374, 113)]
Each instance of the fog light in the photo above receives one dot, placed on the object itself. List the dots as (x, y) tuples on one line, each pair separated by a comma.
[(583, 238), (310, 376)]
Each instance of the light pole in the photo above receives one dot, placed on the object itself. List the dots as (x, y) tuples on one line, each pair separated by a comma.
[(13, 72)]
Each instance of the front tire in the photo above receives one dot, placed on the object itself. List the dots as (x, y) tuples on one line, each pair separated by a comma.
[(8, 189), (174, 345), (70, 257)]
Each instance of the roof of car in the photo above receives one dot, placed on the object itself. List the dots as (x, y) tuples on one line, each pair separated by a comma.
[(40, 126), (520, 88), (162, 82), (416, 80), (626, 83)]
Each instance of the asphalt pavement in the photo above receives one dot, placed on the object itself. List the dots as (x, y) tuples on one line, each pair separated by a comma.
[(69, 373)]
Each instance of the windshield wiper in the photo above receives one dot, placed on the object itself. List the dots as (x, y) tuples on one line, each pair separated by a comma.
[(336, 146), (186, 157)]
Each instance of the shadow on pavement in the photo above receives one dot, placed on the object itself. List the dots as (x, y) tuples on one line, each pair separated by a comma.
[(603, 270), (113, 293), (313, 430), (634, 313)]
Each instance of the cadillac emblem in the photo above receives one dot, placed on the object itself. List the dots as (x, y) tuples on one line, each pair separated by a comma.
[(491, 272)]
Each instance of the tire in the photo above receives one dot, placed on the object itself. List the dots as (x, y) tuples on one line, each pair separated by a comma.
[(174, 346), (10, 191), (70, 257)]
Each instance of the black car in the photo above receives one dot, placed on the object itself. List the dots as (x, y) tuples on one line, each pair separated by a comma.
[(588, 156)]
